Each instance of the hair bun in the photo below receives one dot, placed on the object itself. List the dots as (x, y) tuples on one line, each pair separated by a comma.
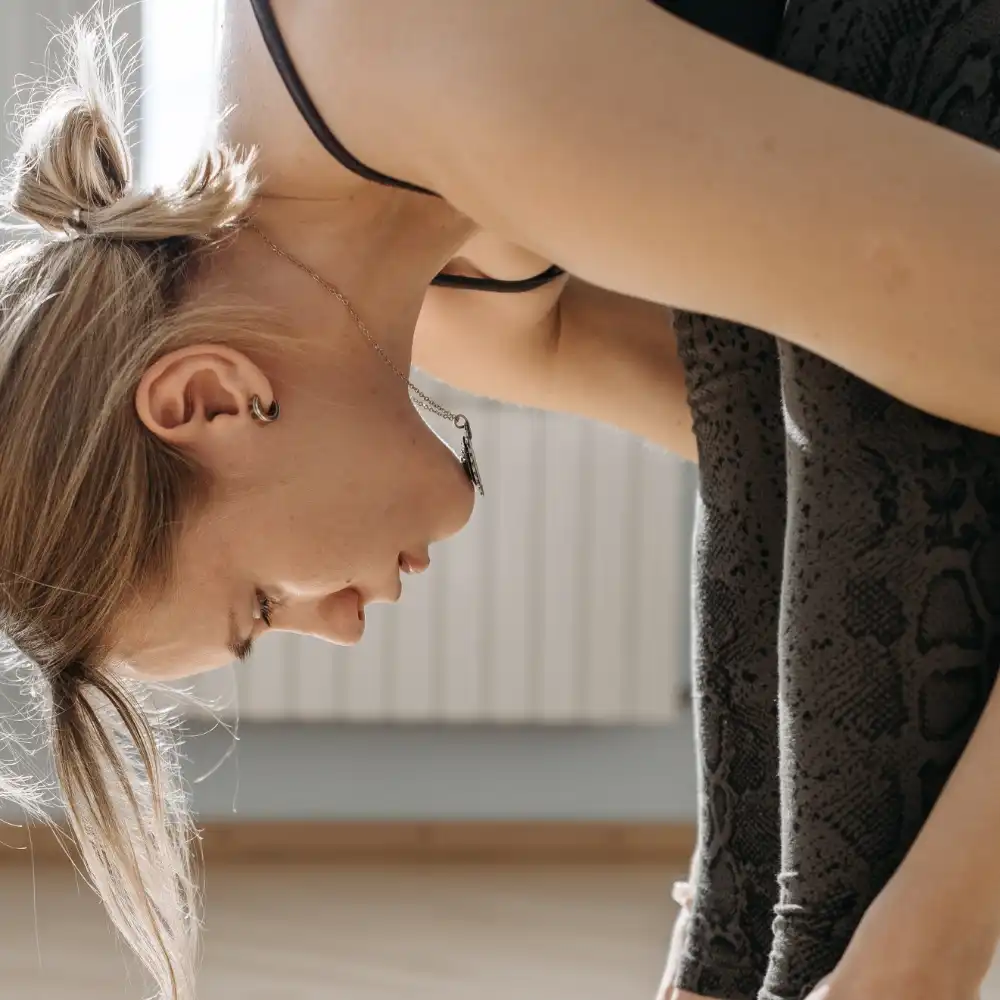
[(74, 171), (74, 159)]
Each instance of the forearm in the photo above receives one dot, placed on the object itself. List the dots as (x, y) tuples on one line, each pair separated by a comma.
[(616, 362), (868, 239), (899, 284)]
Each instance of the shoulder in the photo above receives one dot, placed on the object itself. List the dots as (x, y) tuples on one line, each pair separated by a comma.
[(256, 109), (410, 88), (446, 82)]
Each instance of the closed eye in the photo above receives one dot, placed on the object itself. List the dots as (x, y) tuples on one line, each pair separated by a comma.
[(265, 607), (239, 645), (243, 649)]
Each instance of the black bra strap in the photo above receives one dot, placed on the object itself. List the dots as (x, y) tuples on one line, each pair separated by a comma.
[(497, 284), (296, 88)]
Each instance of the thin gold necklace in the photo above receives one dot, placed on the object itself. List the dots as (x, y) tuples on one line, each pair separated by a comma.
[(420, 399)]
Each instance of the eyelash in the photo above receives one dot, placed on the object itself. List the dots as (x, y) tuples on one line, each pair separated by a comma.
[(265, 605)]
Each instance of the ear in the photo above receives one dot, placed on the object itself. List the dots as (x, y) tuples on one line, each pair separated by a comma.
[(198, 398)]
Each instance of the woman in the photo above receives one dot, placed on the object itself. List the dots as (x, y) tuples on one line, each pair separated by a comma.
[(205, 390)]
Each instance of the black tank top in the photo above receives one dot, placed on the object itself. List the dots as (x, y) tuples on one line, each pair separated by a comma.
[(751, 23)]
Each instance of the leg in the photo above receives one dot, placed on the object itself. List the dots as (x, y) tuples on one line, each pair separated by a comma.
[(888, 648), (892, 600), (732, 376)]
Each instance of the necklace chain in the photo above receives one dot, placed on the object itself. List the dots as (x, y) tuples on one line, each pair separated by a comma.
[(420, 398)]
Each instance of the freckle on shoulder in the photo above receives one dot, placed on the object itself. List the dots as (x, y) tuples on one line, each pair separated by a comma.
[(889, 263)]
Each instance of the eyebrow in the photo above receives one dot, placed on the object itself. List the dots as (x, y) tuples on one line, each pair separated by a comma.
[(241, 646)]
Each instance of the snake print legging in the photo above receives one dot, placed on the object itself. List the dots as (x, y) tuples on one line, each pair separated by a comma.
[(848, 573)]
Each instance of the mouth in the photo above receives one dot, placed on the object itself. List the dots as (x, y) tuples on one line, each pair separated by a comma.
[(388, 593), (407, 562)]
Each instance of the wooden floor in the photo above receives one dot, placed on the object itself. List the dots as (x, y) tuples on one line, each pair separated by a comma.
[(363, 933)]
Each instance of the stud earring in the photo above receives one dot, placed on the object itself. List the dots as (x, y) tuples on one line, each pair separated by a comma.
[(261, 415)]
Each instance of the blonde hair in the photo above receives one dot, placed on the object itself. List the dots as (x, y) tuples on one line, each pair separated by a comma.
[(90, 501)]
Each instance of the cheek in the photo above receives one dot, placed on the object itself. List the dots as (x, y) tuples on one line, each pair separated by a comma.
[(321, 535), (326, 515)]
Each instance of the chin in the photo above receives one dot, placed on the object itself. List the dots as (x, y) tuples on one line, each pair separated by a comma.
[(460, 502), (438, 498)]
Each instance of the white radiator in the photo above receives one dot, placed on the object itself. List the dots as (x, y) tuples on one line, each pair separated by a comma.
[(565, 599)]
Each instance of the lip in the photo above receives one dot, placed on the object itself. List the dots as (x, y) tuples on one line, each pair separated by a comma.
[(411, 562), (389, 593)]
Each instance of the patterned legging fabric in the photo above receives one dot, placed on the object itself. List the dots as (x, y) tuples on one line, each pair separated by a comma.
[(848, 573)]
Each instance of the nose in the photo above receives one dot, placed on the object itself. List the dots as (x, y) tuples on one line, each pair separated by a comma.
[(338, 618)]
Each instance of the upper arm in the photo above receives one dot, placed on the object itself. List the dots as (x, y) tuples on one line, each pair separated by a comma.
[(633, 149), (488, 343), (651, 158), (566, 346)]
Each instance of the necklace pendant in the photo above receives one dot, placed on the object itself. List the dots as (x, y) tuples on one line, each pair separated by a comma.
[(471, 466), (469, 462)]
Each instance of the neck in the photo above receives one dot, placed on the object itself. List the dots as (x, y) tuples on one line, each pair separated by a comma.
[(380, 247)]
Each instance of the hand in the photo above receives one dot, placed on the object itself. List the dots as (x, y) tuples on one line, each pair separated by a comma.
[(850, 986), (897, 953), (682, 895)]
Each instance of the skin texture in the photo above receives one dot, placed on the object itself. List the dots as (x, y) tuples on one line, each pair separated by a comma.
[(345, 418), (309, 511), (818, 230), (567, 346)]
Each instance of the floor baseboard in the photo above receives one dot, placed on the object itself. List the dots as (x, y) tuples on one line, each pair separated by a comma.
[(439, 842)]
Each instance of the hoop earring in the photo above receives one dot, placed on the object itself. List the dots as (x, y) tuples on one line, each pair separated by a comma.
[(261, 415)]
